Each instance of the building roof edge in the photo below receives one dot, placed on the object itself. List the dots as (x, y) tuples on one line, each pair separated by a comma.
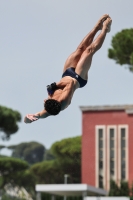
[(127, 108)]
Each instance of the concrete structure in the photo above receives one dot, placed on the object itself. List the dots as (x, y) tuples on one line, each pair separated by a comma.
[(106, 198), (69, 190), (107, 144)]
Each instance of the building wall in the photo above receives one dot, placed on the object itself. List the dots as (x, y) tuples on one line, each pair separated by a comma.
[(103, 118)]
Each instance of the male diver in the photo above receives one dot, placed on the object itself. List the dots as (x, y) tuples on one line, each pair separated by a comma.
[(75, 72)]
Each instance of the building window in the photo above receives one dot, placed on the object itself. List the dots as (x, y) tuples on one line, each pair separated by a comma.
[(100, 181), (111, 154), (123, 153), (112, 151), (100, 149)]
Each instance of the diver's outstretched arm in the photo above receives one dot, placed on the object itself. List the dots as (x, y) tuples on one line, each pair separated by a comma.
[(34, 117)]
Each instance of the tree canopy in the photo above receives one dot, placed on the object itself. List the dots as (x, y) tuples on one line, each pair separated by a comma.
[(48, 172), (15, 172), (9, 167), (48, 155), (67, 160), (69, 148), (122, 48), (32, 152), (8, 122), (64, 157), (122, 190), (68, 153)]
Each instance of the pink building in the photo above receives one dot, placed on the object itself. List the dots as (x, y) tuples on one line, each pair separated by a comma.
[(107, 144)]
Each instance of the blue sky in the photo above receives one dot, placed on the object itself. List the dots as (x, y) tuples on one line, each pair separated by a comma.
[(36, 37)]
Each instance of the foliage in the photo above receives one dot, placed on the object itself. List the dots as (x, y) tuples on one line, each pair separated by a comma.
[(32, 152), (68, 153), (8, 122), (122, 190), (114, 189), (67, 161), (122, 48), (16, 173), (7, 197), (68, 149), (48, 155), (131, 190), (47, 196), (11, 165), (47, 172), (3, 156), (10, 169), (65, 158)]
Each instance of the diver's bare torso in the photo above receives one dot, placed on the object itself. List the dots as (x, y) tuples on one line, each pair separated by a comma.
[(63, 94), (60, 93)]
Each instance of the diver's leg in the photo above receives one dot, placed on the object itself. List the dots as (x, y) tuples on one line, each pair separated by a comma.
[(75, 56), (86, 58)]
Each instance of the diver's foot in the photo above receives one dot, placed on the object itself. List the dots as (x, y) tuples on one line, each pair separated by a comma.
[(99, 24), (107, 24)]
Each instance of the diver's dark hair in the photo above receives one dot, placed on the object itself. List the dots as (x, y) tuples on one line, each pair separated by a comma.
[(52, 106)]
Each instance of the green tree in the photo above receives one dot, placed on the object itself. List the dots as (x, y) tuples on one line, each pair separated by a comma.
[(46, 196), (124, 189), (9, 168), (32, 152), (114, 189), (67, 160), (131, 189), (8, 122), (48, 172), (48, 155), (122, 48), (68, 153), (16, 173)]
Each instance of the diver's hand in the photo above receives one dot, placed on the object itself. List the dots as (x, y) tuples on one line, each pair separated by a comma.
[(30, 118)]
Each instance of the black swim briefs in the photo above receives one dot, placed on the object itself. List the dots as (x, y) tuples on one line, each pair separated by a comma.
[(71, 72)]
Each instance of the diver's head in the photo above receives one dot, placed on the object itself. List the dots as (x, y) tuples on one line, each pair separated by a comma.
[(52, 106)]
